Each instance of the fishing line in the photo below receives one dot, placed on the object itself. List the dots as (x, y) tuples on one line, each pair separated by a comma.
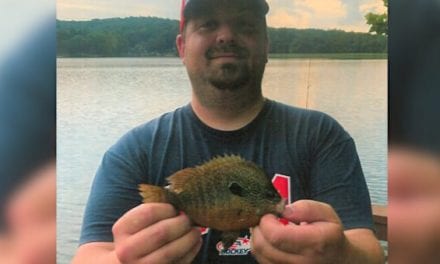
[(308, 85)]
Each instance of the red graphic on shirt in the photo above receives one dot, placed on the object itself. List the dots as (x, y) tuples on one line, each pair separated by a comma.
[(246, 241), (241, 246), (204, 230), (282, 184)]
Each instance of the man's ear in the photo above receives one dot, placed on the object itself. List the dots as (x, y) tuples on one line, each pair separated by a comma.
[(180, 43)]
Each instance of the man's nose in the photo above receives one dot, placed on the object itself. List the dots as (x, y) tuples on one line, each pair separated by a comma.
[(225, 34)]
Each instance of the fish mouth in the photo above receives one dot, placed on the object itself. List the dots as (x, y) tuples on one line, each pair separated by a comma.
[(279, 207), (273, 208)]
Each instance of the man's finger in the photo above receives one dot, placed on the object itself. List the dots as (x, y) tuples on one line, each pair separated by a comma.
[(290, 238), (141, 216), (153, 237), (177, 251), (190, 256), (265, 252), (310, 211)]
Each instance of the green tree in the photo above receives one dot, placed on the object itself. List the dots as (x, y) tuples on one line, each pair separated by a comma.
[(378, 22), (149, 36)]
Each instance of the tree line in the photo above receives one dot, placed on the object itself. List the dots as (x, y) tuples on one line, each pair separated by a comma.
[(152, 36)]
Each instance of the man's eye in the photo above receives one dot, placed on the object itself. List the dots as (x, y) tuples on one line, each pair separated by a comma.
[(208, 25), (247, 26)]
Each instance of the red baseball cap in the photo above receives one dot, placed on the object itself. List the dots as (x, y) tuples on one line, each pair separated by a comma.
[(190, 8)]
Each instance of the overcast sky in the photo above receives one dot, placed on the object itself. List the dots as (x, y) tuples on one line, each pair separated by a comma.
[(325, 14)]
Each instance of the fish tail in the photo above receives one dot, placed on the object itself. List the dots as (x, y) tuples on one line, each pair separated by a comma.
[(153, 194)]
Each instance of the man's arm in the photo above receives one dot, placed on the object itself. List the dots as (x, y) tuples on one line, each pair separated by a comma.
[(363, 247), (148, 233)]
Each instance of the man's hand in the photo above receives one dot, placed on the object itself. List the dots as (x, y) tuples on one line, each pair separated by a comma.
[(315, 235), (155, 233)]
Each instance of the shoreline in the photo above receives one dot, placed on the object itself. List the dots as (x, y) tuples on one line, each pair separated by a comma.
[(335, 56)]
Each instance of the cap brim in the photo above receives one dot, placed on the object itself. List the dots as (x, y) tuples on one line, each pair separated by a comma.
[(194, 8)]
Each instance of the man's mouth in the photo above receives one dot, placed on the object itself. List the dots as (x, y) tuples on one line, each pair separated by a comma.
[(234, 52), (224, 55)]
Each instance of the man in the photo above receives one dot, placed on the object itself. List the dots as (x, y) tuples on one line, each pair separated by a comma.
[(223, 44), (414, 133)]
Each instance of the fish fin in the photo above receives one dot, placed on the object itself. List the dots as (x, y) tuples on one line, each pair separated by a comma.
[(219, 162), (152, 194), (179, 179), (228, 238), (226, 159)]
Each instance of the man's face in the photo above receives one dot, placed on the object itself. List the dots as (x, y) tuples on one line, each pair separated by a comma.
[(226, 47)]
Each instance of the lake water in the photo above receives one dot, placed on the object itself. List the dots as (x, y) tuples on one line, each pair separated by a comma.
[(100, 99)]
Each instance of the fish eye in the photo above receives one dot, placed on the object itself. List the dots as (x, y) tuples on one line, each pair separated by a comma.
[(236, 189)]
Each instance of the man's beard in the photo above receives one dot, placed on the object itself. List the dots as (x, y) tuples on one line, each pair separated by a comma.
[(229, 76)]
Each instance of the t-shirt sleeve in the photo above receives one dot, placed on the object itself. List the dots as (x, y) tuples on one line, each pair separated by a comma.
[(114, 189), (337, 177)]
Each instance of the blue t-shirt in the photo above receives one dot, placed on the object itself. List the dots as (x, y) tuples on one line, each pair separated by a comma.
[(306, 153)]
